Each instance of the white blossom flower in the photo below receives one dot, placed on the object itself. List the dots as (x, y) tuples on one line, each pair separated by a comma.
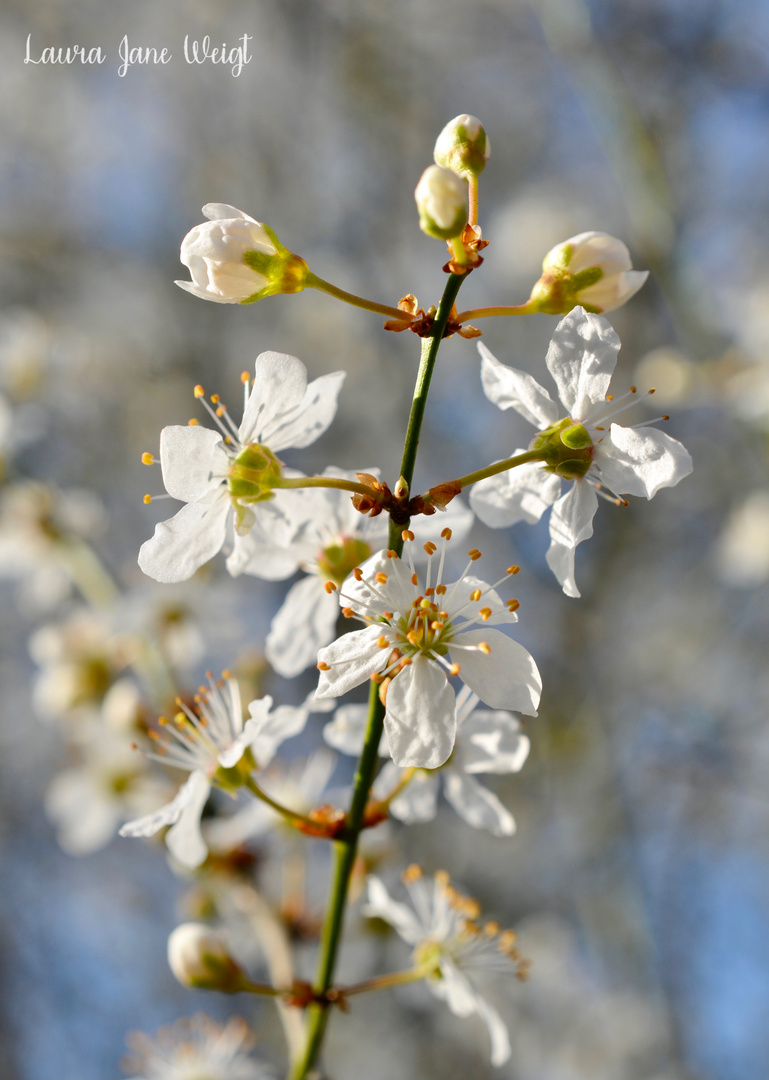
[(445, 935), (592, 269), (331, 539), (212, 743), (441, 199), (463, 146), (487, 742), (584, 448), (196, 1048), (234, 259), (227, 474), (411, 630)]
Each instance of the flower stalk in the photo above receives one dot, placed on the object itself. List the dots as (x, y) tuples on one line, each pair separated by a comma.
[(312, 281), (346, 849)]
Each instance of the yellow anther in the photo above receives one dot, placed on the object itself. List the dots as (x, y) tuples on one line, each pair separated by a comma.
[(411, 873), (382, 642), (193, 422), (430, 592), (507, 940), (414, 579), (442, 878), (440, 590), (357, 574), (425, 605), (475, 594), (446, 534), (512, 605), (199, 391), (220, 411), (321, 666), (485, 613), (215, 399), (380, 578), (633, 390), (610, 397), (430, 547), (154, 736), (484, 648), (147, 498), (491, 928), (330, 587), (162, 719), (475, 554), (245, 377), (454, 669), (513, 569), (148, 458), (391, 554), (348, 613), (226, 674), (407, 534), (387, 614), (405, 662)]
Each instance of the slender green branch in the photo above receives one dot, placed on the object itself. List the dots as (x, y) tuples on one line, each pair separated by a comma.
[(326, 482), (346, 849), (485, 312), (289, 815), (314, 282)]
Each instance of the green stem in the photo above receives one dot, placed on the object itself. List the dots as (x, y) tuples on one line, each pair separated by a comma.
[(314, 282), (346, 849), (327, 482), (498, 467), (485, 312), (385, 982), (289, 815)]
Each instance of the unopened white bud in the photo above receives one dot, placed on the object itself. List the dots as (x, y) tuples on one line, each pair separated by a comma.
[(593, 270), (463, 146), (234, 259), (441, 199), (198, 957)]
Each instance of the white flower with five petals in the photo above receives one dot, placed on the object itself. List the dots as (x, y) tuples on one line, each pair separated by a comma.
[(226, 475), (418, 634), (213, 744), (582, 447), (487, 742), (443, 930)]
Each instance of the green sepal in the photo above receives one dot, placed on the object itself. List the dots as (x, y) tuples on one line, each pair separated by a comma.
[(237, 775), (572, 468), (585, 278), (576, 437)]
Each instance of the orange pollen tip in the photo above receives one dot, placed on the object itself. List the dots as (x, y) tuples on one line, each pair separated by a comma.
[(665, 416), (193, 422), (633, 389), (610, 397), (387, 614), (411, 873), (446, 534), (153, 735), (330, 587), (148, 458), (430, 547), (405, 662), (357, 574), (440, 590), (414, 579), (323, 667), (392, 554), (348, 612), (209, 675), (245, 377), (475, 554), (430, 592), (147, 499), (162, 719), (475, 594), (215, 399), (454, 669), (484, 648), (485, 613), (380, 578), (512, 605), (442, 878), (513, 569), (226, 674), (407, 534), (220, 411), (652, 390), (199, 391), (599, 428), (382, 642)]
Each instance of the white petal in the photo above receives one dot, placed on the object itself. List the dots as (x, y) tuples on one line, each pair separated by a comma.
[(491, 742), (498, 1033), (455, 989), (347, 731), (571, 522), (477, 805), (181, 545), (380, 905), (266, 730), (269, 550), (193, 461), (216, 211), (641, 461), (282, 409), (419, 800), (505, 678), (521, 494), (613, 291), (170, 813), (185, 840), (396, 595), (509, 388), (421, 720), (581, 358), (314, 414), (353, 658), (303, 625), (204, 294), (598, 249)]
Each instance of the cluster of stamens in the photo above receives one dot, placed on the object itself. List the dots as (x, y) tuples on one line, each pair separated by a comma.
[(428, 627)]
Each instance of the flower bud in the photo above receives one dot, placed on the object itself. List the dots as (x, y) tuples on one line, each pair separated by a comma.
[(441, 199), (198, 957), (592, 270), (463, 147), (234, 259)]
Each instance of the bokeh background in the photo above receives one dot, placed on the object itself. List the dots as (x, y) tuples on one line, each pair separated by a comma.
[(638, 879)]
